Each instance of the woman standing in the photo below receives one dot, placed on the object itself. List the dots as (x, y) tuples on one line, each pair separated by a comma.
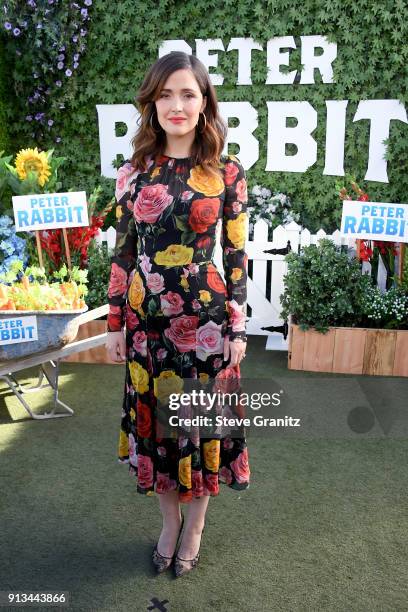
[(182, 320)]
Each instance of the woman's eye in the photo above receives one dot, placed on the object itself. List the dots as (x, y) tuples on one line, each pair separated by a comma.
[(188, 95)]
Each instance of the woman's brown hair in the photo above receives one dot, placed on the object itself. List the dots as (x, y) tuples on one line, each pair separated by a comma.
[(151, 141)]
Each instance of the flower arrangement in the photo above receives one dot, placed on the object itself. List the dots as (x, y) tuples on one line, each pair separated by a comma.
[(370, 250), (79, 238), (324, 287), (387, 310), (12, 247), (33, 171), (275, 208), (36, 171), (29, 289)]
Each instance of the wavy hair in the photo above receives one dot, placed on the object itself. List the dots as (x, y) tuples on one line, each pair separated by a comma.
[(151, 141)]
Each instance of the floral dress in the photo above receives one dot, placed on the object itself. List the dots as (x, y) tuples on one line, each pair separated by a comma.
[(167, 293)]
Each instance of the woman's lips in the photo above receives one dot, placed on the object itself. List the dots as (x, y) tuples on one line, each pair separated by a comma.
[(177, 120)]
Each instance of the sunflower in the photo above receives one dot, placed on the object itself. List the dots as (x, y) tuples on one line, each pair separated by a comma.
[(32, 159)]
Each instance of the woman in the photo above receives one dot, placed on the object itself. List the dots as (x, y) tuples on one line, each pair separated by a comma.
[(182, 321)]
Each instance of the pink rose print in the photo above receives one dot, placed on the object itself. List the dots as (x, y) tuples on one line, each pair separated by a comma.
[(209, 340), (155, 282), (145, 264), (236, 207), (115, 310), (182, 332), (211, 484), (123, 179), (231, 172), (225, 475), (227, 443), (118, 281), (237, 316), (164, 483), (171, 303), (145, 471), (131, 317), (240, 467), (161, 354), (193, 268), (195, 304), (186, 195), (197, 483), (140, 343), (242, 194), (151, 201)]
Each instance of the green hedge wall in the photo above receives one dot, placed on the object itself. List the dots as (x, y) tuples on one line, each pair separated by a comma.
[(123, 40), (5, 102)]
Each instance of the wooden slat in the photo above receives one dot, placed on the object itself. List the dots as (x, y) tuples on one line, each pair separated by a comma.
[(401, 354), (379, 352), (318, 351), (348, 355), (296, 348)]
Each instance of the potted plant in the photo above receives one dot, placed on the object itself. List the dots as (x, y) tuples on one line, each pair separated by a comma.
[(39, 313), (339, 319)]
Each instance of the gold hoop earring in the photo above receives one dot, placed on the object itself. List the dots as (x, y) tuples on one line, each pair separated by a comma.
[(151, 124), (205, 123)]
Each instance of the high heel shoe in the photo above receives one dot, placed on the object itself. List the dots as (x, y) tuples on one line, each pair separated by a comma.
[(180, 569), (160, 562)]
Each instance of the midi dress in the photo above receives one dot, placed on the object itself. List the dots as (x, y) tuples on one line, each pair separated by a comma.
[(169, 298)]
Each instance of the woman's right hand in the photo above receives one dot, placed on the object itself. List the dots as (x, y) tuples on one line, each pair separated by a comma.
[(116, 346)]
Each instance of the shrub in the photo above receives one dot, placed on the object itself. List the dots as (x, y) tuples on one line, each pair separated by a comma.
[(98, 274)]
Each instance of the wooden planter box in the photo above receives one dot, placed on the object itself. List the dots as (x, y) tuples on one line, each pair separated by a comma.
[(349, 350), (95, 355)]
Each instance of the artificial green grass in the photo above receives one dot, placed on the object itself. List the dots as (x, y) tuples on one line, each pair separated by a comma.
[(323, 525)]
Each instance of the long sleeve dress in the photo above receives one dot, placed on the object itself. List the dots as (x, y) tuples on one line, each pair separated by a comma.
[(175, 307)]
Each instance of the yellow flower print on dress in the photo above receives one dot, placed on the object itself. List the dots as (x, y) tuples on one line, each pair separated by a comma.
[(212, 455), (208, 185), (136, 292), (139, 376), (184, 471), (236, 230), (166, 383), (184, 283), (236, 274), (123, 444), (174, 255), (119, 212), (205, 296)]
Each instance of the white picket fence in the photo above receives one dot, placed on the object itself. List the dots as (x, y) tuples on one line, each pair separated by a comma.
[(264, 303)]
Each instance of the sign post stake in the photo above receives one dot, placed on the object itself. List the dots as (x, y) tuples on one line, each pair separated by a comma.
[(401, 255), (39, 249), (67, 252)]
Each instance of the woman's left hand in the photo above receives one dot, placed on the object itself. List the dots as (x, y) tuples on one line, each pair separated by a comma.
[(236, 348)]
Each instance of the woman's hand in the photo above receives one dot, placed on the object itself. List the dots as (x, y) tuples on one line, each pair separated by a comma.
[(237, 349), (116, 346)]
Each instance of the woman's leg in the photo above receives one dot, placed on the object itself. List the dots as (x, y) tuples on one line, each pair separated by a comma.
[(170, 509), (193, 527)]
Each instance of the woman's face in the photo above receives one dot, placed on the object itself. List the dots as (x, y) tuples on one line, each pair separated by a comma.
[(180, 97)]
